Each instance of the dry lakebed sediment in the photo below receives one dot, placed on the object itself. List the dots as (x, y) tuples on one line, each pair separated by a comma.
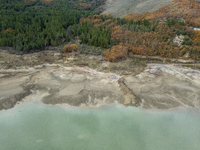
[(91, 81)]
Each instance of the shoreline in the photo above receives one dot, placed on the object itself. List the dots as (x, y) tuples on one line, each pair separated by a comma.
[(108, 106), (148, 84), (101, 89)]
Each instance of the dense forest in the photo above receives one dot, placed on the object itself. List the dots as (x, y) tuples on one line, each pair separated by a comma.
[(28, 25), (38, 24)]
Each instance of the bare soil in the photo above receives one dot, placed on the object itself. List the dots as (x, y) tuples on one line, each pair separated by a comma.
[(52, 77)]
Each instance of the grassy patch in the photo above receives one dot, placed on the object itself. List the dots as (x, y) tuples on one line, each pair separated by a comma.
[(127, 67), (87, 60), (92, 50)]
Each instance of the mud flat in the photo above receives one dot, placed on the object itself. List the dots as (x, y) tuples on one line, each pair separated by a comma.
[(56, 84), (159, 86), (162, 86)]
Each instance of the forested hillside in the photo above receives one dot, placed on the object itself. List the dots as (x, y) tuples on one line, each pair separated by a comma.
[(141, 37), (166, 32), (31, 24)]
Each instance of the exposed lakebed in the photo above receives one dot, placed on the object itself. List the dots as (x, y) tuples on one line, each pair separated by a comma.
[(158, 86)]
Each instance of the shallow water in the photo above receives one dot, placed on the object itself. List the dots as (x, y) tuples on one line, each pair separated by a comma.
[(35, 126)]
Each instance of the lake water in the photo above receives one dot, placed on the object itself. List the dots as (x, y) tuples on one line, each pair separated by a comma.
[(35, 126)]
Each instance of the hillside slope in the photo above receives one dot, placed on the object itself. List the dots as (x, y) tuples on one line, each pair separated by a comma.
[(121, 8), (187, 10)]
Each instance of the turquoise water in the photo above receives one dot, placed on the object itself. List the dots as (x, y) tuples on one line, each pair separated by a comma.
[(35, 126)]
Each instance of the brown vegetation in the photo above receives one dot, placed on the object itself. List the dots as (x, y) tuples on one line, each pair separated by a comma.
[(147, 43), (84, 5), (197, 37), (189, 10), (7, 30), (95, 19), (70, 48), (27, 1), (116, 52), (154, 40), (157, 38), (98, 22)]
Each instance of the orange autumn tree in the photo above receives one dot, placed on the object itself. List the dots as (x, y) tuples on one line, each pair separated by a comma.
[(196, 38), (189, 10), (195, 51), (117, 34), (94, 18), (84, 5), (116, 52), (70, 48)]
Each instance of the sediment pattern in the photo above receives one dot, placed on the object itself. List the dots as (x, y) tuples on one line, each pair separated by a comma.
[(159, 86), (162, 86)]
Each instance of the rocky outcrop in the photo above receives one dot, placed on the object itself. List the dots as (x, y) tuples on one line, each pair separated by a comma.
[(178, 40)]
